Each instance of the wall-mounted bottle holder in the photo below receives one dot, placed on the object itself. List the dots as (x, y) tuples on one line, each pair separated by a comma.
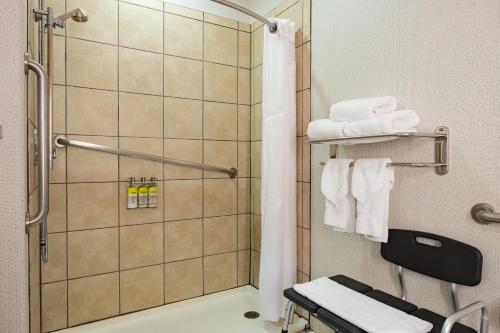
[(143, 193)]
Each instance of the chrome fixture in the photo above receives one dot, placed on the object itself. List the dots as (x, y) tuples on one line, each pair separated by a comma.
[(51, 22), (62, 142), (273, 27), (42, 151), (77, 15), (441, 137), (485, 214), (42, 139)]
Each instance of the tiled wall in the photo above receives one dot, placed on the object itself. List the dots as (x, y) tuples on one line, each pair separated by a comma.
[(300, 13), (161, 79)]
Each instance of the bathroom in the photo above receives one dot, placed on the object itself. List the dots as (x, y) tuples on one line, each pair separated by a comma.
[(160, 164)]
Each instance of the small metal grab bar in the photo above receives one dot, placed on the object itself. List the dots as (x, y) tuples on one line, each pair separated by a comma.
[(61, 142), (44, 141), (485, 214)]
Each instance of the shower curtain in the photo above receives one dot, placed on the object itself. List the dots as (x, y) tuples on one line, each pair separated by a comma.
[(278, 261)]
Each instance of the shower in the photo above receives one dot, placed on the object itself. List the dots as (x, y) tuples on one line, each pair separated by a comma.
[(77, 15)]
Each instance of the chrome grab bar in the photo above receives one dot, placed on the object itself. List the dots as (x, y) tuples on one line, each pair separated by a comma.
[(61, 142), (43, 141), (485, 214)]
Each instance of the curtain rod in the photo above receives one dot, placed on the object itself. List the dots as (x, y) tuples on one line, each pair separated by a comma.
[(273, 27)]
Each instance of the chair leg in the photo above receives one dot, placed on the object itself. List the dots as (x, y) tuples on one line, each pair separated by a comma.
[(288, 316)]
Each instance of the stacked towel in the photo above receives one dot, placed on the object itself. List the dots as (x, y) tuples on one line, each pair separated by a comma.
[(361, 310), (372, 181), (363, 108), (325, 129), (340, 207), (397, 121), (364, 117)]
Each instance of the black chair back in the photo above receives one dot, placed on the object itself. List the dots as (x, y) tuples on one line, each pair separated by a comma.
[(433, 255)]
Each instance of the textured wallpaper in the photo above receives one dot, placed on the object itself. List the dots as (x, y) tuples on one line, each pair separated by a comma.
[(441, 59), (13, 255)]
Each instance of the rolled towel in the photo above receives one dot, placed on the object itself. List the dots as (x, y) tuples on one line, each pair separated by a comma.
[(325, 129), (397, 121), (363, 108)]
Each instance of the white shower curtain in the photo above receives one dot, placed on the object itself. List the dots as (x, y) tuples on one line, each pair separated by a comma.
[(278, 261)]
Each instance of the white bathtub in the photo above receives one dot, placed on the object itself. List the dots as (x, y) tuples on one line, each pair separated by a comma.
[(217, 313)]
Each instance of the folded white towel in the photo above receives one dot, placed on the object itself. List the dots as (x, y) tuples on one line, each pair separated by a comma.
[(340, 206), (325, 129), (393, 122), (363, 108), (365, 312), (372, 181)]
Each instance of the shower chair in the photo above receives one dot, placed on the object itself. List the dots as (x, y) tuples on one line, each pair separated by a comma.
[(428, 254)]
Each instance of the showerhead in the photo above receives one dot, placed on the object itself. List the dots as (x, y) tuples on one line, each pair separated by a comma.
[(77, 15)]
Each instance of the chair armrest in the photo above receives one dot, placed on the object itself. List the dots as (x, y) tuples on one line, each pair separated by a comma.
[(468, 310)]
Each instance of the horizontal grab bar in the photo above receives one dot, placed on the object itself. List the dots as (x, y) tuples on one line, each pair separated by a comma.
[(63, 141)]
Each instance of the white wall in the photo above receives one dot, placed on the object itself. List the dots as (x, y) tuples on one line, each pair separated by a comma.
[(262, 6), (13, 249), (440, 58)]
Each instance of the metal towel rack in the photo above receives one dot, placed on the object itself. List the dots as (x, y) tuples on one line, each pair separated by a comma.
[(61, 142), (440, 136)]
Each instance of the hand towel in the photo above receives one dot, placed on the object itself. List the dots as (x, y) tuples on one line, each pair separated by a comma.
[(325, 129), (365, 312), (372, 181), (339, 202), (397, 121), (363, 108)]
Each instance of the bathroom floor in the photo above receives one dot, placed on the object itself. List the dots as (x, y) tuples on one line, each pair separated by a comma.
[(218, 313)]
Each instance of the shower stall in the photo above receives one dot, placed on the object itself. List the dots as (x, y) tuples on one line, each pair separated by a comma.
[(143, 92)]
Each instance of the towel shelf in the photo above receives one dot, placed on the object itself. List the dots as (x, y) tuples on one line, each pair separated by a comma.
[(440, 136)]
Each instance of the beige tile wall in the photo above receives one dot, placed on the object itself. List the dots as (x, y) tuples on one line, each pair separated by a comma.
[(300, 13), (160, 79)]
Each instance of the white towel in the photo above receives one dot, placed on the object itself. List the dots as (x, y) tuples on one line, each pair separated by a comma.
[(372, 181), (325, 129), (363, 108), (340, 207), (365, 312), (393, 122)]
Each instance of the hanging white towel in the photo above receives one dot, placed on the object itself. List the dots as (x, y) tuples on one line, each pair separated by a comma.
[(365, 312), (393, 122), (278, 263), (340, 207), (325, 129), (372, 181), (363, 108)]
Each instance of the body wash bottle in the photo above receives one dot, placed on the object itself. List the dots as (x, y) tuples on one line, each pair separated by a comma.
[(143, 194), (132, 194)]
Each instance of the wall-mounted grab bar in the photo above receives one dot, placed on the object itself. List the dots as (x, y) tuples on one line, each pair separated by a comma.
[(43, 141), (485, 214), (62, 142)]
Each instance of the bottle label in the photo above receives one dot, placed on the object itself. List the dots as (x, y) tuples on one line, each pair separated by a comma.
[(132, 197), (153, 197), (143, 197)]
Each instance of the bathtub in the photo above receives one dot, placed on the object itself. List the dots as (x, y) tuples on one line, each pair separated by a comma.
[(221, 312)]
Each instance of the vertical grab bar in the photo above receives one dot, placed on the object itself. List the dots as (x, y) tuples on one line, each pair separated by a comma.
[(50, 71), (44, 143)]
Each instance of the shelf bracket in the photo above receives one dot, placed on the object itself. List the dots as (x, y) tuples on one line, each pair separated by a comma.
[(442, 151)]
